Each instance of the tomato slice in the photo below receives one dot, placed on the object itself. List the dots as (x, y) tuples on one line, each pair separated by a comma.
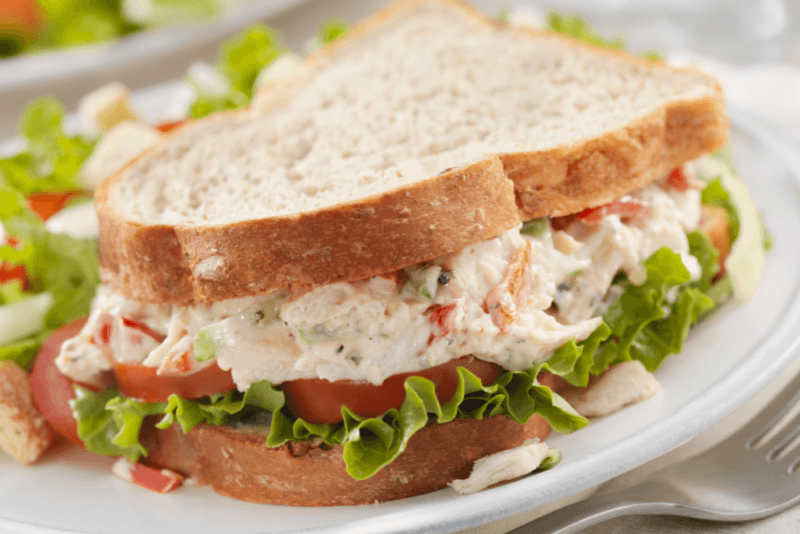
[(51, 389), (45, 205), (141, 382), (21, 19), (320, 401), (10, 272)]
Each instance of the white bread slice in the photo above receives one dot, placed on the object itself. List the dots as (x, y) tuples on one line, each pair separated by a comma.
[(393, 146)]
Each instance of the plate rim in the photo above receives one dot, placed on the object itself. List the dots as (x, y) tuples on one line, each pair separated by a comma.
[(63, 64)]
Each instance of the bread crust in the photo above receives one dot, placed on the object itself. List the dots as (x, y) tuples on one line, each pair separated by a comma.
[(567, 180), (24, 433), (350, 241), (238, 464)]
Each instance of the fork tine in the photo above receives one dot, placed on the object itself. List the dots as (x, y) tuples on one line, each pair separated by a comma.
[(783, 441), (774, 412)]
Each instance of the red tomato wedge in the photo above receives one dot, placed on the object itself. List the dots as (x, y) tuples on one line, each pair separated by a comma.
[(320, 401), (45, 205), (52, 390), (20, 18), (10, 272), (140, 382)]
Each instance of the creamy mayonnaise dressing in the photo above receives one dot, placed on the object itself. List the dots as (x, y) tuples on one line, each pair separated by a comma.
[(511, 300)]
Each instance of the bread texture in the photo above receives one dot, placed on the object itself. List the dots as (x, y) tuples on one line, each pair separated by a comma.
[(394, 145), (237, 463), (575, 126), (24, 433), (348, 241)]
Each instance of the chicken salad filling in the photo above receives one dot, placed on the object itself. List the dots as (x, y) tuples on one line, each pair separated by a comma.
[(512, 300)]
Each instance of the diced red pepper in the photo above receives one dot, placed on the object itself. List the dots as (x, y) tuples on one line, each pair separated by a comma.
[(165, 127), (444, 320), (678, 179), (158, 480)]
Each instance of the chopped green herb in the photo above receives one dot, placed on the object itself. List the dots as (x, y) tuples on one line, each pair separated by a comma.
[(535, 227)]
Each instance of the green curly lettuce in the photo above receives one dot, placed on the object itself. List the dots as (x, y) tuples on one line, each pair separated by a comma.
[(650, 321), (577, 27), (243, 57), (59, 264), (52, 159), (240, 60)]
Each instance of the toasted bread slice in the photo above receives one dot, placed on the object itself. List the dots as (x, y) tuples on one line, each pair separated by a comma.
[(24, 433), (238, 464), (393, 146)]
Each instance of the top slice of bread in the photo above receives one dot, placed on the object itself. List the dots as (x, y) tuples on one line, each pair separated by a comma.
[(395, 145)]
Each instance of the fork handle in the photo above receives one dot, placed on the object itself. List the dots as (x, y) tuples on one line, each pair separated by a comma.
[(645, 499)]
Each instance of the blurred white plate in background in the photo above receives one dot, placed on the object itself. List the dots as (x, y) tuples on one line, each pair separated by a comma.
[(68, 63)]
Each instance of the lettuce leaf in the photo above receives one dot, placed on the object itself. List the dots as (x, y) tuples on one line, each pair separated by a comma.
[(53, 159), (577, 27), (648, 326), (22, 351), (332, 29), (60, 264), (63, 265), (240, 60)]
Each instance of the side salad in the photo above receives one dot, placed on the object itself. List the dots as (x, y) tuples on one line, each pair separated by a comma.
[(30, 26)]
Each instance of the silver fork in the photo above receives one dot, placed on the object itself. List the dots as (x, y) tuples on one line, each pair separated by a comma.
[(750, 475)]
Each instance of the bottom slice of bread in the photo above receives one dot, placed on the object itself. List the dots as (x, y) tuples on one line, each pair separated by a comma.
[(237, 463)]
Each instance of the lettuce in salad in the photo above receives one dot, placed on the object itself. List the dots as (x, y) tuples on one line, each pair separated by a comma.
[(52, 159), (64, 267), (242, 58)]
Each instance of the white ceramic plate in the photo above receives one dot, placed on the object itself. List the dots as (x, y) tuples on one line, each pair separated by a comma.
[(73, 63), (725, 362)]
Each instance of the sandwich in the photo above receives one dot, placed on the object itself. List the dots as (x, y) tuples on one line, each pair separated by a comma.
[(391, 264)]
